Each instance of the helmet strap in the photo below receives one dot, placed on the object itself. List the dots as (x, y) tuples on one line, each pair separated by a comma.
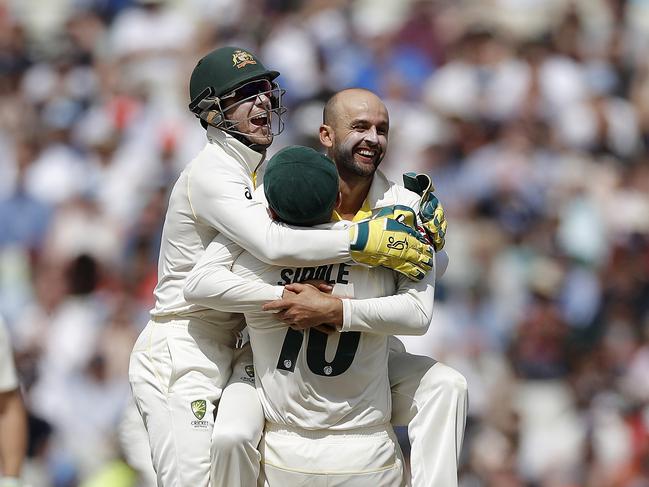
[(215, 119)]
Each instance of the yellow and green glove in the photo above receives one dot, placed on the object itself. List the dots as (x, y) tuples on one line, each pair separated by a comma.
[(431, 212), (384, 241)]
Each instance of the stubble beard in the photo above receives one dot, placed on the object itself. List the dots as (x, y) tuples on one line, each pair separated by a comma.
[(345, 161)]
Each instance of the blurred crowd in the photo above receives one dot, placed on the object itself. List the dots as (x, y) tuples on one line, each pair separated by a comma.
[(532, 117)]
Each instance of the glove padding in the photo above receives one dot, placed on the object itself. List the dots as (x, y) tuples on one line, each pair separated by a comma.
[(431, 212), (401, 213), (384, 241)]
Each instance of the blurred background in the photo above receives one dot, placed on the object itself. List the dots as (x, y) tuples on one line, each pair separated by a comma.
[(532, 116)]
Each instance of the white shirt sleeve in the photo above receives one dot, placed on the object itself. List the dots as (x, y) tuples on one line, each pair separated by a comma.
[(408, 312), (222, 200), (212, 284)]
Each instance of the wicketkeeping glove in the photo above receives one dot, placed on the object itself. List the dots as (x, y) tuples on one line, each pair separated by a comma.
[(401, 213), (431, 212), (383, 241)]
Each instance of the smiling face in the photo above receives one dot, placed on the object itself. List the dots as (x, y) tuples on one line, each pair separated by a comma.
[(355, 132), (250, 113)]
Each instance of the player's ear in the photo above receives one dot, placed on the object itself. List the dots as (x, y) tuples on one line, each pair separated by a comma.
[(326, 136)]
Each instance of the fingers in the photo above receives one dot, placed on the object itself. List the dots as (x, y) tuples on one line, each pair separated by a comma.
[(420, 254), (411, 271), (318, 284), (296, 287), (324, 328), (325, 288), (278, 304)]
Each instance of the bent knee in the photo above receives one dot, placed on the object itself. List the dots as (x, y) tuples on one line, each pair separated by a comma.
[(227, 440)]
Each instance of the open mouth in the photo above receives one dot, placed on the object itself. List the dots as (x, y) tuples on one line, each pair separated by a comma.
[(366, 155), (260, 120)]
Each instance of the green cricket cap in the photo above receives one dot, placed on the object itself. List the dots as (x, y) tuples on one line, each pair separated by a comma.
[(301, 186), (225, 69)]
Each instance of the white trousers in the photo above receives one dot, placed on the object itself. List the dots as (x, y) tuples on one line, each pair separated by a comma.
[(177, 372), (427, 396), (174, 366), (431, 399), (364, 457), (238, 428), (134, 442)]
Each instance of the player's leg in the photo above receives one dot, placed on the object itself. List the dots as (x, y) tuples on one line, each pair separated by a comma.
[(134, 442), (431, 398), (238, 427), (177, 374)]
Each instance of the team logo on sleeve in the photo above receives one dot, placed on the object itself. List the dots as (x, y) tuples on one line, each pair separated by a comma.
[(198, 408)]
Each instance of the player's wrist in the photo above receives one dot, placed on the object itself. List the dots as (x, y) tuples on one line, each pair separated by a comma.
[(335, 312), (354, 245)]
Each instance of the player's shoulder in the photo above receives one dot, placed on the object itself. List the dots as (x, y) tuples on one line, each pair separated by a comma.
[(208, 158), (396, 192)]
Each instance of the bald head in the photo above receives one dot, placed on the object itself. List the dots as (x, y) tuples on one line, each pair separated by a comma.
[(343, 100), (355, 131)]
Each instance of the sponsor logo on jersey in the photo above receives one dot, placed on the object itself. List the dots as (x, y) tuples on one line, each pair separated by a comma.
[(250, 370), (198, 408), (250, 374), (242, 58), (200, 425), (332, 274)]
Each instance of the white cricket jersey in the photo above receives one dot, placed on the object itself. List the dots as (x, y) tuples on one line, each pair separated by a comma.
[(211, 285), (212, 196), (392, 304), (312, 380), (8, 378)]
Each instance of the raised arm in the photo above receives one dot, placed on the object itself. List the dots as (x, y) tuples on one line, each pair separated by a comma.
[(226, 204)]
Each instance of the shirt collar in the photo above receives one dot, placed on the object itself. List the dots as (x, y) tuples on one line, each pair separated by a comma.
[(380, 195), (235, 148)]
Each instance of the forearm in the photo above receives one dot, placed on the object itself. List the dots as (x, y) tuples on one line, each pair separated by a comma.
[(295, 247), (221, 204), (402, 314), (408, 311), (218, 288), (212, 284), (13, 433)]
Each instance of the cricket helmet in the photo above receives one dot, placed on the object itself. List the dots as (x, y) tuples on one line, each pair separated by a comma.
[(226, 72)]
